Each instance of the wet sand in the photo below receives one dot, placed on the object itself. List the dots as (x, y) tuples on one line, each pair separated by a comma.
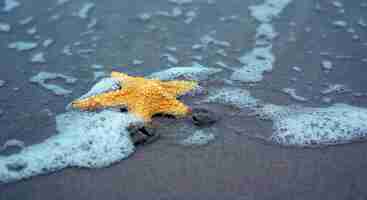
[(231, 168), (234, 166)]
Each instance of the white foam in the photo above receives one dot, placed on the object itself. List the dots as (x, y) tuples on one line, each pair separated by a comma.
[(92, 23), (229, 18), (270, 9), (84, 139), (362, 23), (4, 27), (26, 20), (190, 16), (170, 58), (221, 52), (335, 88), (54, 17), (197, 47), (38, 58), (195, 72), (23, 45), (66, 50), (176, 12), (180, 2), (292, 93), (337, 4), (197, 58), (237, 97), (10, 5), (85, 51), (2, 83), (85, 9), (97, 66), (297, 69), (305, 126), (61, 2), (171, 48), (265, 34), (327, 65), (256, 62), (261, 58), (340, 23), (102, 86), (209, 39), (46, 43), (32, 30), (223, 65), (137, 62), (42, 78), (199, 137), (145, 17)]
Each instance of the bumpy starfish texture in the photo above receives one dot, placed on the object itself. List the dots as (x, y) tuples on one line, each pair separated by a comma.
[(143, 97)]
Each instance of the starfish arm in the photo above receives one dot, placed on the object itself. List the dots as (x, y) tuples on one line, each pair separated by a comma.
[(104, 100), (174, 107), (178, 88)]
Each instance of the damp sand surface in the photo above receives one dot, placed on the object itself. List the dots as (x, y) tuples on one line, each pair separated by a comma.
[(235, 165)]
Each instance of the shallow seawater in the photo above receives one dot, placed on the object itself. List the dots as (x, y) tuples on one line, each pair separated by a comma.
[(281, 75)]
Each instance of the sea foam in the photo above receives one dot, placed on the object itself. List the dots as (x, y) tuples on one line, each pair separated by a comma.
[(261, 58), (84, 139), (310, 126)]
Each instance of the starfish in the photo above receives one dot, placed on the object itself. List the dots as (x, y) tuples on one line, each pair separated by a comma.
[(141, 96)]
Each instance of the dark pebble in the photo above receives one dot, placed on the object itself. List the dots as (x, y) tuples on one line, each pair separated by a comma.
[(142, 135), (204, 117)]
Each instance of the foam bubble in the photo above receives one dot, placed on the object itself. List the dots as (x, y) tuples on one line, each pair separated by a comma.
[(102, 86), (199, 137), (32, 30), (209, 39), (4, 27), (293, 94), (170, 58), (256, 62), (42, 78), (340, 24), (61, 2), (137, 62), (84, 139), (38, 58), (26, 20), (180, 2), (240, 98), (46, 43), (190, 16), (85, 9), (270, 9), (10, 5), (195, 72), (335, 88)]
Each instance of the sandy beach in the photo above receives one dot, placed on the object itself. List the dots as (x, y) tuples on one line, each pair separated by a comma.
[(236, 164)]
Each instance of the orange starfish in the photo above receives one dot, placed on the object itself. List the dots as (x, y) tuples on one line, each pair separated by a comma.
[(144, 97)]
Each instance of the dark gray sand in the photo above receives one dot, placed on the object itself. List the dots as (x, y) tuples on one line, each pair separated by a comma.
[(233, 166)]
